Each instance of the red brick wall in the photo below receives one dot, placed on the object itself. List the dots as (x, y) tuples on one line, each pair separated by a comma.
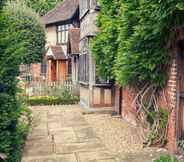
[(167, 99), (128, 107), (35, 70)]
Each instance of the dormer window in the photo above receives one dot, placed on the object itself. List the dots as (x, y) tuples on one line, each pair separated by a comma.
[(62, 33)]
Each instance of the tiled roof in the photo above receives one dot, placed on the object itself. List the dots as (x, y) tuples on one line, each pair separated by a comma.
[(64, 11), (74, 39), (57, 52)]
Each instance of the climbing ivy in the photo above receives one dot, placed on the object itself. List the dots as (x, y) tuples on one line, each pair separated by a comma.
[(132, 48), (143, 56), (131, 45), (105, 44)]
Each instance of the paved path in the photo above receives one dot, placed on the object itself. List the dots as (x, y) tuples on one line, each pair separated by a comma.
[(61, 134)]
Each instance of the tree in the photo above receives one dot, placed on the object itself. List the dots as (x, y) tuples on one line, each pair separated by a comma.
[(42, 6)]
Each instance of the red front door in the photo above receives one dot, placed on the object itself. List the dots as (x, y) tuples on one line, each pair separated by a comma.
[(53, 71)]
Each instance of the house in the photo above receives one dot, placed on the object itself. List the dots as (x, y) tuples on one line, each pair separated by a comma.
[(171, 97), (32, 72), (57, 23), (73, 52), (94, 91)]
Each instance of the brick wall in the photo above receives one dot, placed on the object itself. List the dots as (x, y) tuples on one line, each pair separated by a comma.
[(35, 70), (172, 105), (167, 99), (128, 107)]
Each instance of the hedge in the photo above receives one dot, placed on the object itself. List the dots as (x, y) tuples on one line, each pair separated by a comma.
[(52, 100), (22, 40)]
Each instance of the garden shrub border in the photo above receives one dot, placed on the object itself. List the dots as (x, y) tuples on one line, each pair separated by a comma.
[(166, 158), (52, 100)]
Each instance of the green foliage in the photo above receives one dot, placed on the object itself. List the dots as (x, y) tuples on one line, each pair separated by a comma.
[(22, 40), (132, 48), (142, 57), (181, 144), (160, 131), (166, 158), (26, 31), (53, 100), (42, 6), (15, 120), (22, 129), (135, 39), (105, 44)]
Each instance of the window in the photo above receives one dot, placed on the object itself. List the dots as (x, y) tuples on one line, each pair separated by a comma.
[(70, 69), (84, 7), (84, 61), (62, 34), (43, 68), (84, 68)]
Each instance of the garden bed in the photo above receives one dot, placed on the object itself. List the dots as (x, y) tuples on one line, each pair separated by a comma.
[(52, 100)]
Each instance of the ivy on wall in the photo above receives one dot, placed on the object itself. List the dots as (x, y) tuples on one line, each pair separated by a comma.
[(132, 48), (105, 44), (131, 45)]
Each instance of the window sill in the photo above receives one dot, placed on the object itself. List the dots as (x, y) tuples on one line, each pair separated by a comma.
[(84, 83), (60, 44), (108, 85)]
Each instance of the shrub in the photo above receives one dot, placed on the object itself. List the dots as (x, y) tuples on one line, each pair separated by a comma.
[(181, 144), (22, 40), (22, 129), (166, 158), (42, 7), (52, 100)]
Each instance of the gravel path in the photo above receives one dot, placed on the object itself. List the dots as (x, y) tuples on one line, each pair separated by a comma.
[(121, 138)]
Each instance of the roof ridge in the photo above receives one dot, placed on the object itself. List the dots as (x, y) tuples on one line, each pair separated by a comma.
[(57, 6), (62, 12)]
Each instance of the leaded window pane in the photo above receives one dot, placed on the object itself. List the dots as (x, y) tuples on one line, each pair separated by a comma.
[(62, 33)]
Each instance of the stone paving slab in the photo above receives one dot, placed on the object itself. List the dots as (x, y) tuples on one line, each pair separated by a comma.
[(94, 156), (84, 133), (65, 137), (79, 147), (38, 133), (54, 125), (40, 149), (37, 141), (51, 158), (106, 160), (63, 129), (61, 134)]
